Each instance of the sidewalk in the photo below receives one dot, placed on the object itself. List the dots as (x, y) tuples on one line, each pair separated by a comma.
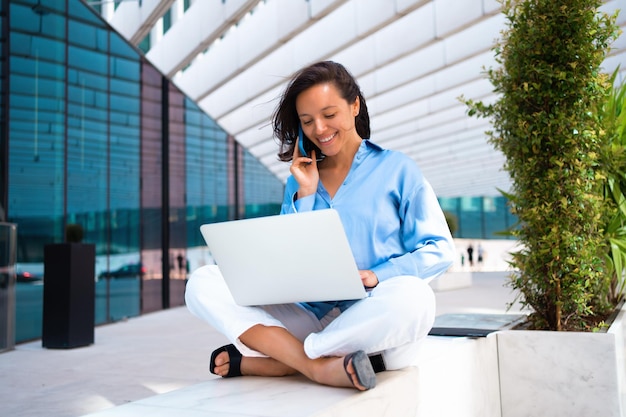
[(156, 353)]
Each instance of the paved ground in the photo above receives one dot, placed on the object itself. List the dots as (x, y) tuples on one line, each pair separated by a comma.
[(156, 353)]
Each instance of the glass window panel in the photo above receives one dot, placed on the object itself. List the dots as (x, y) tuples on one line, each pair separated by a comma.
[(78, 11), (42, 87), (89, 79), (495, 217), (85, 59), (43, 17), (263, 192), (124, 68), (24, 66), (119, 47), (167, 21), (470, 217), (448, 204), (471, 203), (48, 6), (37, 124), (123, 118), (151, 213), (489, 204), (144, 45), (36, 174), (123, 103), (85, 35), (206, 173), (124, 87), (38, 48), (124, 190)]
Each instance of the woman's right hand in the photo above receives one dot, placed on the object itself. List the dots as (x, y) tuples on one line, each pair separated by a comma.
[(304, 170)]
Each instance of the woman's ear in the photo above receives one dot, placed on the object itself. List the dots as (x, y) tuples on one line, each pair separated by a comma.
[(356, 106)]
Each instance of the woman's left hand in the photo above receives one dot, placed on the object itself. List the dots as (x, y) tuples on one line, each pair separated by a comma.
[(369, 278)]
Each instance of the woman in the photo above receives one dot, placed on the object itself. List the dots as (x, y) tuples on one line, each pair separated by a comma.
[(396, 230)]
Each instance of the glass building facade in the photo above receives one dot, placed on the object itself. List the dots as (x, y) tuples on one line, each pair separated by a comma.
[(92, 134), (480, 217)]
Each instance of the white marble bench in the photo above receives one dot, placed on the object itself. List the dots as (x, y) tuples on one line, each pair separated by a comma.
[(456, 377), (294, 396)]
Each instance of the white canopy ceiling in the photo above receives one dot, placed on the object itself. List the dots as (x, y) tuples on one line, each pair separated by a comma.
[(413, 60)]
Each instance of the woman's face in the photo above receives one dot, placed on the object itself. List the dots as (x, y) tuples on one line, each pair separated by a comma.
[(327, 119)]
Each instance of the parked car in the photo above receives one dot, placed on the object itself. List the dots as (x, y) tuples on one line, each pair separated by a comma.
[(126, 271), (28, 277)]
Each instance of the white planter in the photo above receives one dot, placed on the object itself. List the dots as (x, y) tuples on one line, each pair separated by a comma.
[(565, 374)]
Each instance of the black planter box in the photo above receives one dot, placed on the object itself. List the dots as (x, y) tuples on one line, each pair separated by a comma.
[(68, 295)]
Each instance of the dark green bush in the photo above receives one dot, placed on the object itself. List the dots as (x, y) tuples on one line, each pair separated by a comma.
[(612, 115), (74, 233), (549, 83), (453, 223)]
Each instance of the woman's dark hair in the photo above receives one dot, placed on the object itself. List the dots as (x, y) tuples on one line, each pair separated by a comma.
[(285, 121)]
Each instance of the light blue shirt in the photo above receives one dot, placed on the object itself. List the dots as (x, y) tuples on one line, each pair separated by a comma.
[(391, 216)]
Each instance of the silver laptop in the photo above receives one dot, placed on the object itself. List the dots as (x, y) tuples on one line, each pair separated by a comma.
[(286, 258)]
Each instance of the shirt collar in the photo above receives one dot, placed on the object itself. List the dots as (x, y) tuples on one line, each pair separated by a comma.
[(365, 148)]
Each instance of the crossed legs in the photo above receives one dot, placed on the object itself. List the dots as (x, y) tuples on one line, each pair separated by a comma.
[(285, 339), (277, 342)]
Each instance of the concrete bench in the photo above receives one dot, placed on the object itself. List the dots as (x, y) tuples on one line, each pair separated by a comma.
[(456, 376)]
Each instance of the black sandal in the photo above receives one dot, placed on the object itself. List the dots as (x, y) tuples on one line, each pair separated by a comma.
[(234, 359)]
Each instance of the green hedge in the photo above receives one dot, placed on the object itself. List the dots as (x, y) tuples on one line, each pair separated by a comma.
[(549, 82)]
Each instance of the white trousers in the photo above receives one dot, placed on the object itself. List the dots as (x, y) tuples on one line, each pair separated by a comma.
[(393, 320)]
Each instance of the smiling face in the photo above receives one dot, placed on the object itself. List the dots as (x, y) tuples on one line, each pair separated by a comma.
[(327, 118)]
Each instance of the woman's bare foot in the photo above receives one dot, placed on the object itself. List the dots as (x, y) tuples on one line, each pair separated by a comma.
[(333, 371), (355, 370), (342, 372)]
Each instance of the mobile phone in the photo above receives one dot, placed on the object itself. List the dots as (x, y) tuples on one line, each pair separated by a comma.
[(305, 146)]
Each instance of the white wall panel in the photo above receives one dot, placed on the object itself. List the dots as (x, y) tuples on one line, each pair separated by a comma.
[(319, 8), (256, 135), (203, 22), (336, 30), (291, 16), (405, 6), (447, 115), (453, 15), (367, 83), (251, 114), (403, 95), (260, 32), (402, 114), (491, 6), (241, 89), (357, 58), (462, 72), (135, 19), (394, 132), (411, 67), (208, 71), (266, 147), (371, 14), (475, 39), (406, 34), (257, 36)]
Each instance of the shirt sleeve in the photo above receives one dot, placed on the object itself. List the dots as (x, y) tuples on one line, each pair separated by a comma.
[(291, 204), (429, 244)]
